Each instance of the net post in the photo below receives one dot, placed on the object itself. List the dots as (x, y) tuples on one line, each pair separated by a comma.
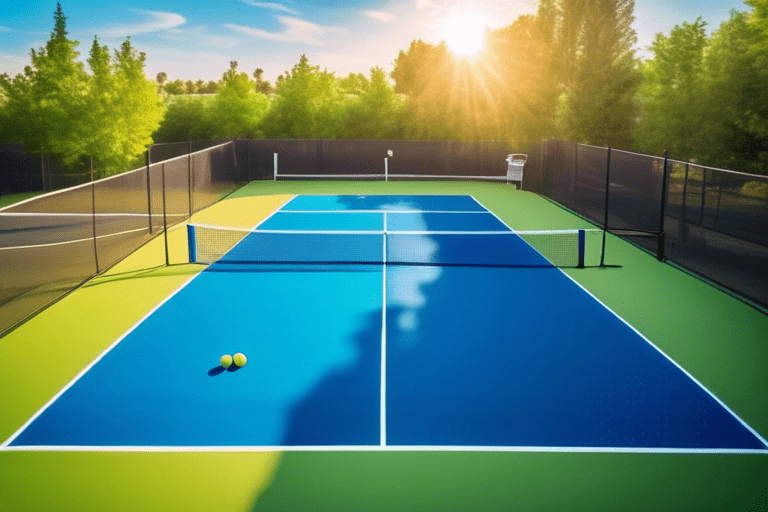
[(607, 196), (274, 168), (386, 168), (149, 187), (582, 246), (661, 251), (191, 243), (165, 217)]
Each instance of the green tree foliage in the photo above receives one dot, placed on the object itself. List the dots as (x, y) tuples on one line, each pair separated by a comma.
[(373, 109), (509, 92), (305, 103), (521, 75), (262, 86), (176, 87), (705, 98), (238, 109), (136, 108), (671, 95), (235, 111), (58, 107), (602, 78), (46, 102), (736, 98), (187, 118)]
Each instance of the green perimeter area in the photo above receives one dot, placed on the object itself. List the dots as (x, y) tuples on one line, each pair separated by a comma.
[(10, 199), (722, 342)]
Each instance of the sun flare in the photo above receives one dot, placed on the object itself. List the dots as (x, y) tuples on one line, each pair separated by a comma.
[(465, 35)]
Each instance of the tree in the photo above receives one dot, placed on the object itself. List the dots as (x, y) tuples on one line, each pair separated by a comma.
[(427, 74), (262, 86), (522, 79), (47, 101), (376, 112), (231, 72), (598, 104), (736, 97), (238, 108), (672, 91), (304, 105), (162, 77), (187, 118)]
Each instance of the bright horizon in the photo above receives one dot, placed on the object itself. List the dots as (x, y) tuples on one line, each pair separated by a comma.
[(197, 40)]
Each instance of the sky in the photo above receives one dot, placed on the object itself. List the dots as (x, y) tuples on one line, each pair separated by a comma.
[(197, 39)]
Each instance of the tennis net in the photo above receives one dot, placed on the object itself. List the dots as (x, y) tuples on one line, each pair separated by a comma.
[(533, 249)]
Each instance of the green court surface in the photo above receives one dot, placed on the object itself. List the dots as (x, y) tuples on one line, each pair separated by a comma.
[(721, 341)]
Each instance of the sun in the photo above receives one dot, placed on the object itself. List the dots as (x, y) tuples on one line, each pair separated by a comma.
[(465, 35)]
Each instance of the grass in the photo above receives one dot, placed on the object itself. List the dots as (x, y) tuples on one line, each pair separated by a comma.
[(718, 339), (10, 199)]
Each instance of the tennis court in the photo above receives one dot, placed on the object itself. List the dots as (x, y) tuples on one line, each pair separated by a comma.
[(385, 322), (417, 334)]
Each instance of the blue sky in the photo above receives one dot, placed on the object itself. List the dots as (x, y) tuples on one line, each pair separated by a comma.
[(196, 39)]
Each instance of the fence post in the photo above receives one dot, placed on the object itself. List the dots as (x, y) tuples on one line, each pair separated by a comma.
[(93, 218), (661, 253), (607, 195), (165, 219), (189, 177), (683, 229), (575, 167), (149, 188)]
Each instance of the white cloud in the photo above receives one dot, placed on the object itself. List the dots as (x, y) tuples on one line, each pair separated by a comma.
[(155, 22), (4, 29), (296, 31), (199, 36), (424, 4), (380, 16), (271, 5)]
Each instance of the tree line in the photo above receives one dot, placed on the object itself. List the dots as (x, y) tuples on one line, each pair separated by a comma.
[(570, 71)]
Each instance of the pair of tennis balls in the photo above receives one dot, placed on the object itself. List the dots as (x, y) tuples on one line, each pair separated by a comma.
[(239, 359)]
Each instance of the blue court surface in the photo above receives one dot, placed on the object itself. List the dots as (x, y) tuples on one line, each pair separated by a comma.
[(385, 322)]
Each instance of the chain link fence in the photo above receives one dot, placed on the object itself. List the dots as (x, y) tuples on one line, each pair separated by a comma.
[(50, 244), (713, 222)]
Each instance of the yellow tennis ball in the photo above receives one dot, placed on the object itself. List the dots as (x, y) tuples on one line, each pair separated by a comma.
[(226, 360), (240, 359)]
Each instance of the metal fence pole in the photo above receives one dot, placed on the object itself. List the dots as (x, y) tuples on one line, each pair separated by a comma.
[(189, 177), (607, 195), (661, 252), (149, 188), (93, 218), (165, 219)]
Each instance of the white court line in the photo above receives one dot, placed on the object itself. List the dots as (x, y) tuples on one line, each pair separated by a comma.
[(383, 211), (383, 405), (384, 448), (89, 239), (87, 215), (100, 357), (642, 336)]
